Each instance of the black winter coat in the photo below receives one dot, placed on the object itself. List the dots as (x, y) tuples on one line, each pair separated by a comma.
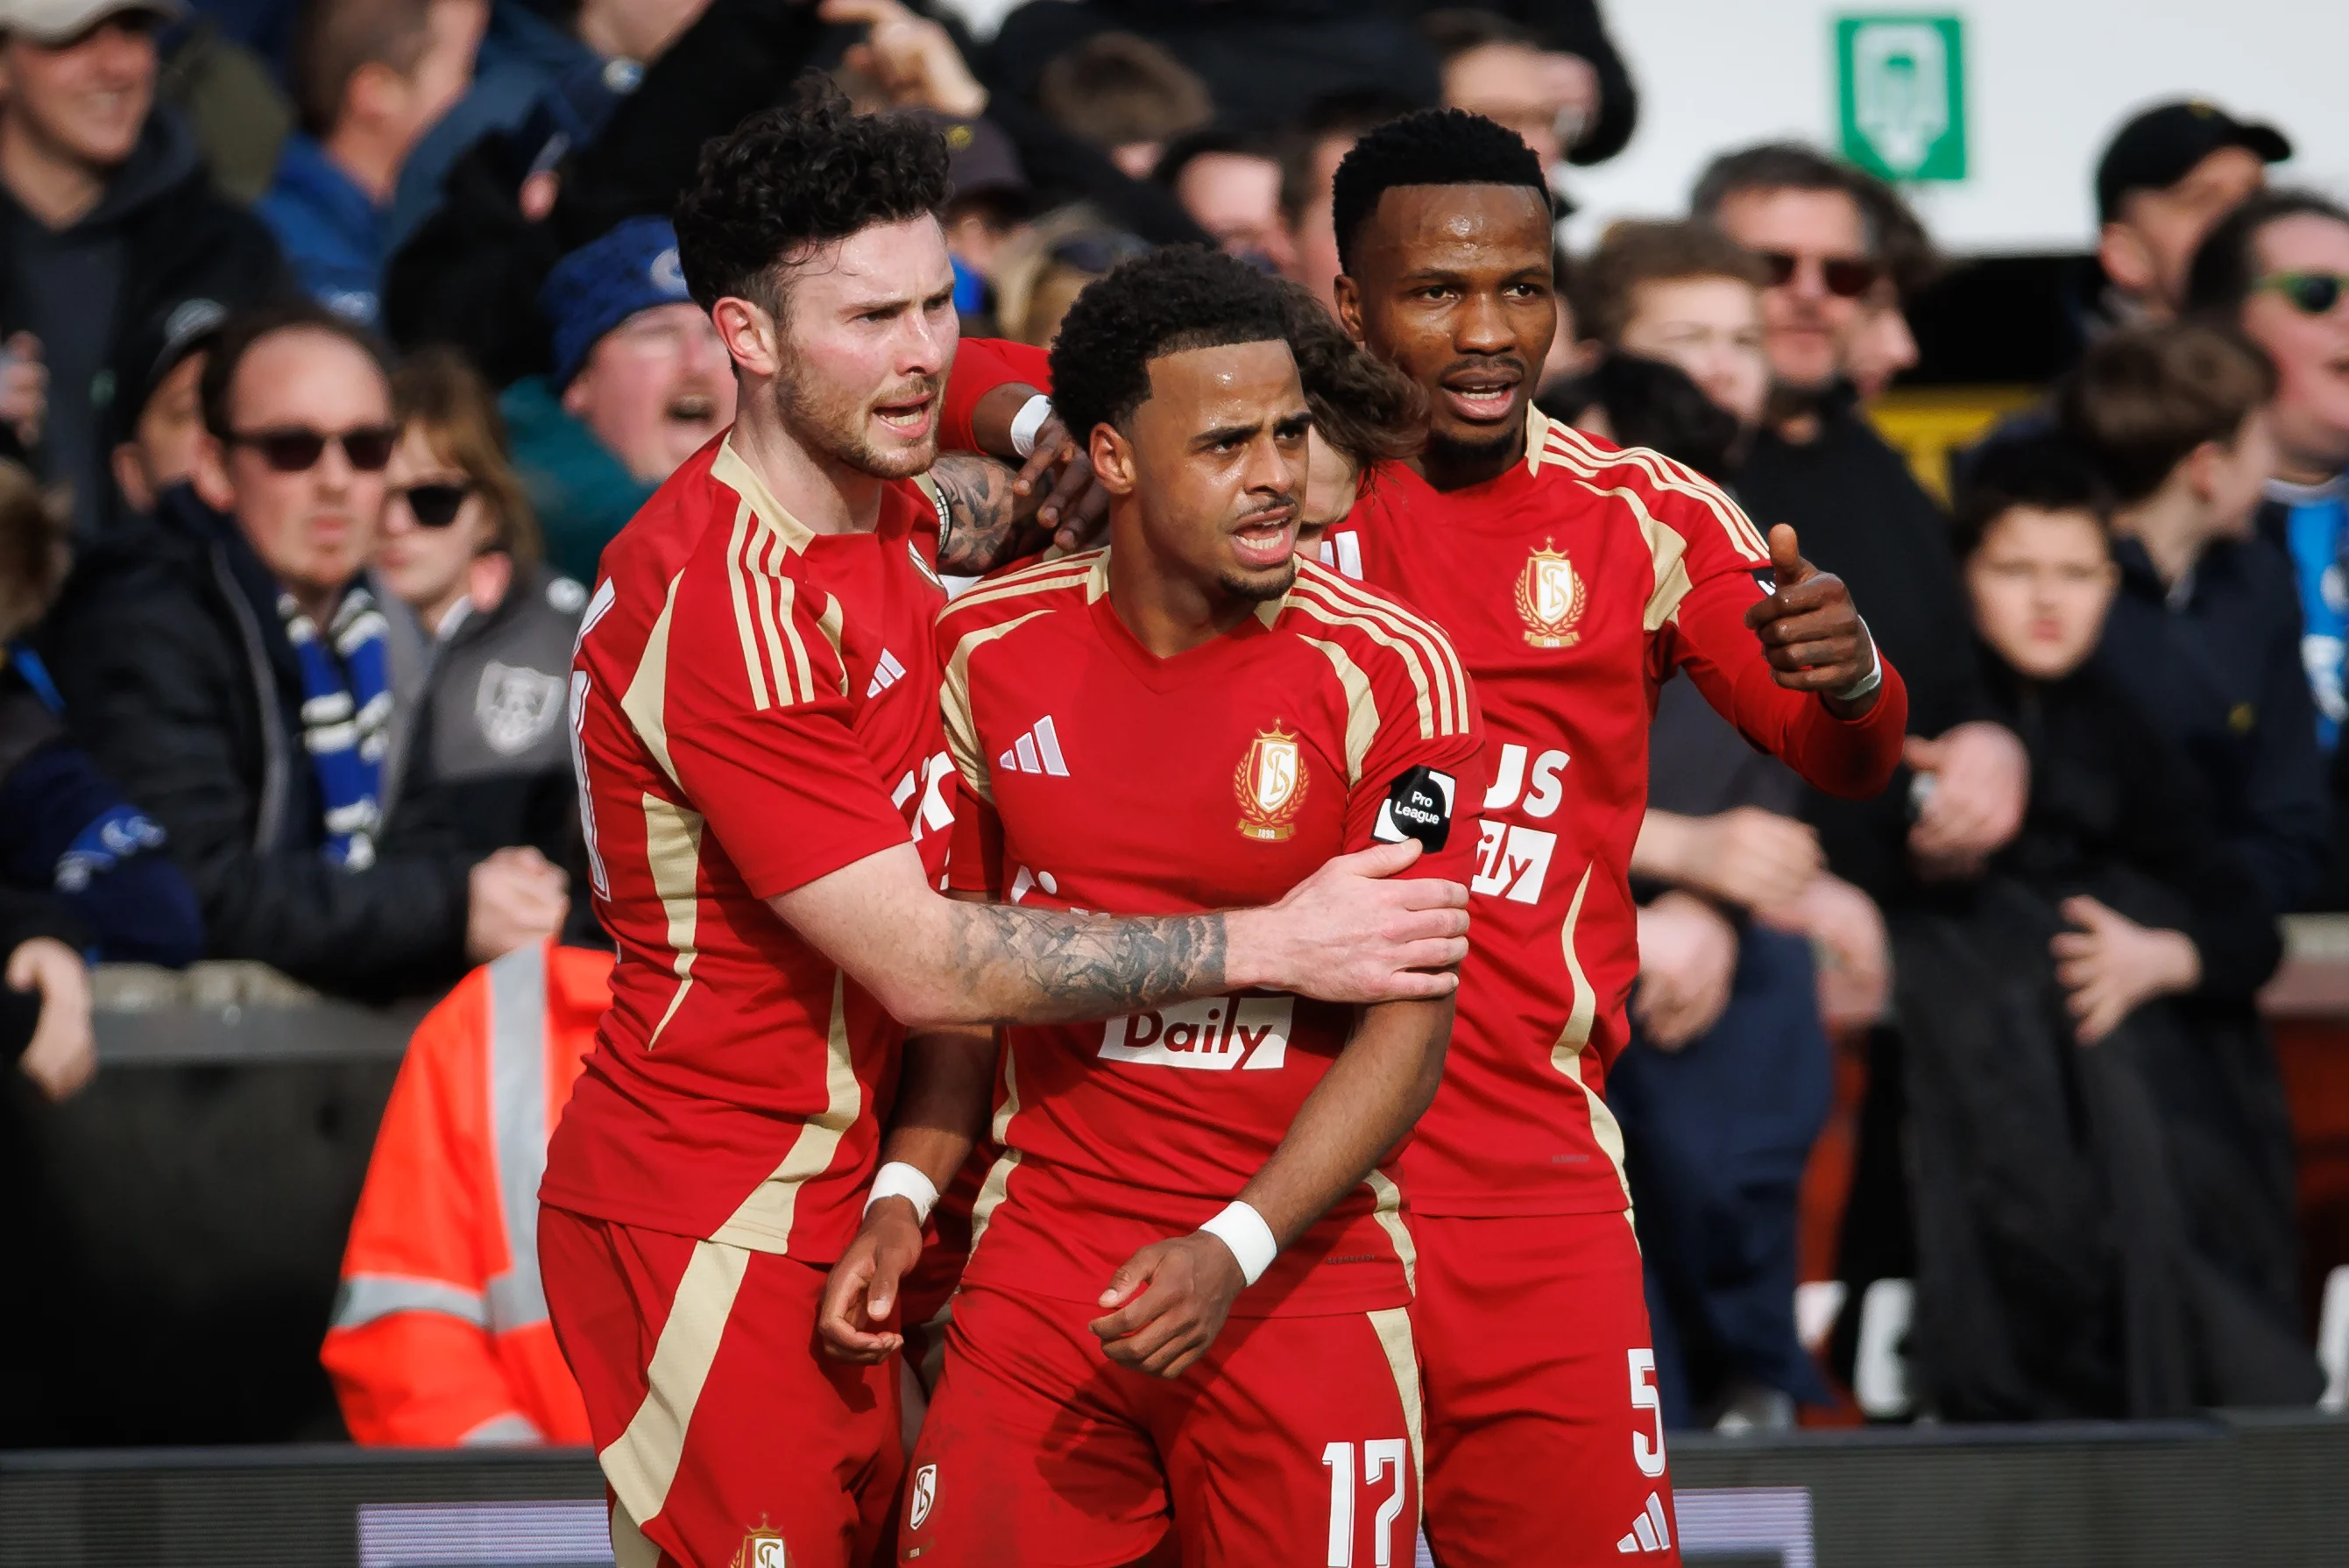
[(178, 679)]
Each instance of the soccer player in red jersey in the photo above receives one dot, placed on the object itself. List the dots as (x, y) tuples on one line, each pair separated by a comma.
[(1186, 720), (755, 720), (1573, 578)]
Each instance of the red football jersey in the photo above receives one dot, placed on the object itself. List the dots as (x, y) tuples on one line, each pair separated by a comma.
[(1572, 586), (1107, 779), (753, 706)]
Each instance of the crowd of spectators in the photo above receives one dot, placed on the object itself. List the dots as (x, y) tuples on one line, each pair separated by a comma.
[(330, 373)]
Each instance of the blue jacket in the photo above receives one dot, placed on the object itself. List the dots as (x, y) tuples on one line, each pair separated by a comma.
[(333, 236), (582, 494), (2217, 668)]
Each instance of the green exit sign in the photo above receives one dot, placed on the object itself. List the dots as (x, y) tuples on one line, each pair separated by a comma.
[(1900, 83)]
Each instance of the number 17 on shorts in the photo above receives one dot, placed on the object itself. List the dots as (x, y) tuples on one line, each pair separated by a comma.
[(1364, 1476)]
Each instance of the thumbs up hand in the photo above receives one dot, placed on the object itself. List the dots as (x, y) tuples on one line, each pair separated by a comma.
[(1809, 630)]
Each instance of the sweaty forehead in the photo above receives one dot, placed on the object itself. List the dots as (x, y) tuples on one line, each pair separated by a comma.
[(1232, 380), (1415, 227)]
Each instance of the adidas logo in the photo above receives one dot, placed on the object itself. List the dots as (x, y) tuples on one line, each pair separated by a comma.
[(885, 673), (1649, 1532), (1037, 751)]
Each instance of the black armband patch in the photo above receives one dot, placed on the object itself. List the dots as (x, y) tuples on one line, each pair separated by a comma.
[(1418, 806)]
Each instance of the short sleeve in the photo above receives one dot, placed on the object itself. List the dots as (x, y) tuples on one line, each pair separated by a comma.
[(789, 792), (1429, 788)]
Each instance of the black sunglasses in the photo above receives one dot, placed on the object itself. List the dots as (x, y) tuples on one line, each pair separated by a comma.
[(435, 505), (296, 449), (1847, 277), (2311, 294)]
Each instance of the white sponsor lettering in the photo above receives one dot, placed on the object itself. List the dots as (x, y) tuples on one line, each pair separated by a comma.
[(1215, 1034), (1509, 781), (1513, 860)]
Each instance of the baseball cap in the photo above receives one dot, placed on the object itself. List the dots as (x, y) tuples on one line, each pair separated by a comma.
[(54, 21), (160, 344), (980, 159), (2156, 148), (629, 268)]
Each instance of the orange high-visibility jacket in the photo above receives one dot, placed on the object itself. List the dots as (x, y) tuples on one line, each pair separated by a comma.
[(441, 1336)]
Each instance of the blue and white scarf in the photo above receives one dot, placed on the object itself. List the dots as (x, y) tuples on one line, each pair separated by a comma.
[(346, 718)]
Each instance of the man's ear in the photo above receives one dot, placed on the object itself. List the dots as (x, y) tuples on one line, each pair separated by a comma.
[(580, 387), (1348, 296), (131, 475), (2202, 466), (1113, 457), (372, 92), (210, 474), (2121, 252), (751, 334)]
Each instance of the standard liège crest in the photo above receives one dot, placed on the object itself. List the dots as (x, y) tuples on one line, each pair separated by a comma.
[(764, 1548), (1271, 783), (921, 1496), (1550, 597)]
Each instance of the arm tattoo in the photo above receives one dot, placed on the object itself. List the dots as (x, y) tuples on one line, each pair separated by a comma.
[(982, 514), (1032, 966)]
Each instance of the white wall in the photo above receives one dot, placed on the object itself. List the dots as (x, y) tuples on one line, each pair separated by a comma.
[(2047, 81)]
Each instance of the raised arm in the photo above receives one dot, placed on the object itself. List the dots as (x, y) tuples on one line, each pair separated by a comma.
[(1170, 1299), (1344, 935)]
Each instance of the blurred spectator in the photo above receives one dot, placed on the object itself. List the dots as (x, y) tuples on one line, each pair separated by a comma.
[(1725, 1084), (992, 203), (483, 761), (1365, 411), (1259, 61), (2100, 1232), (640, 383), (1882, 346), (232, 669), (107, 214), (1230, 184), (441, 1336), (1861, 514), (1125, 95), (2167, 175), (1040, 277), (371, 77), (80, 869), (1527, 57), (2278, 268), (2206, 632), (155, 384), (1314, 147)]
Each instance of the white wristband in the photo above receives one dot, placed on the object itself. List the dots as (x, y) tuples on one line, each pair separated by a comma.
[(1869, 682), (899, 1179), (1028, 421), (1242, 1229)]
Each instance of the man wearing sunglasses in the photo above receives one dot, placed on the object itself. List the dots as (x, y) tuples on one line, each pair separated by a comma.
[(232, 667), (2278, 269)]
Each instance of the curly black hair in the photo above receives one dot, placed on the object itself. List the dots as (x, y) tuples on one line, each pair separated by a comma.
[(1434, 147), (1182, 297), (801, 174), (1362, 405)]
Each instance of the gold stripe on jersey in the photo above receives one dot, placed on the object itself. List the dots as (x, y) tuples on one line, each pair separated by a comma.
[(991, 1192), (764, 1222), (1388, 1211), (1439, 713), (1666, 549), (642, 1461), (645, 703), (832, 623), (1045, 575), (629, 1547), (1450, 679), (729, 469), (954, 706), (673, 851), (1566, 1055), (1577, 451), (1392, 1325), (1361, 707), (739, 585), (1538, 426)]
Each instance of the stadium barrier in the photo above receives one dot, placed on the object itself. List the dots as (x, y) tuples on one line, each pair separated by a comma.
[(2184, 1494)]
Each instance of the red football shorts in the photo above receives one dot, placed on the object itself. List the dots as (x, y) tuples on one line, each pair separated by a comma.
[(1544, 1437), (727, 1439), (1294, 1439)]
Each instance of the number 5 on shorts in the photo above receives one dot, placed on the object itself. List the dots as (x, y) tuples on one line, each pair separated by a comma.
[(1380, 1456), (1648, 1456)]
